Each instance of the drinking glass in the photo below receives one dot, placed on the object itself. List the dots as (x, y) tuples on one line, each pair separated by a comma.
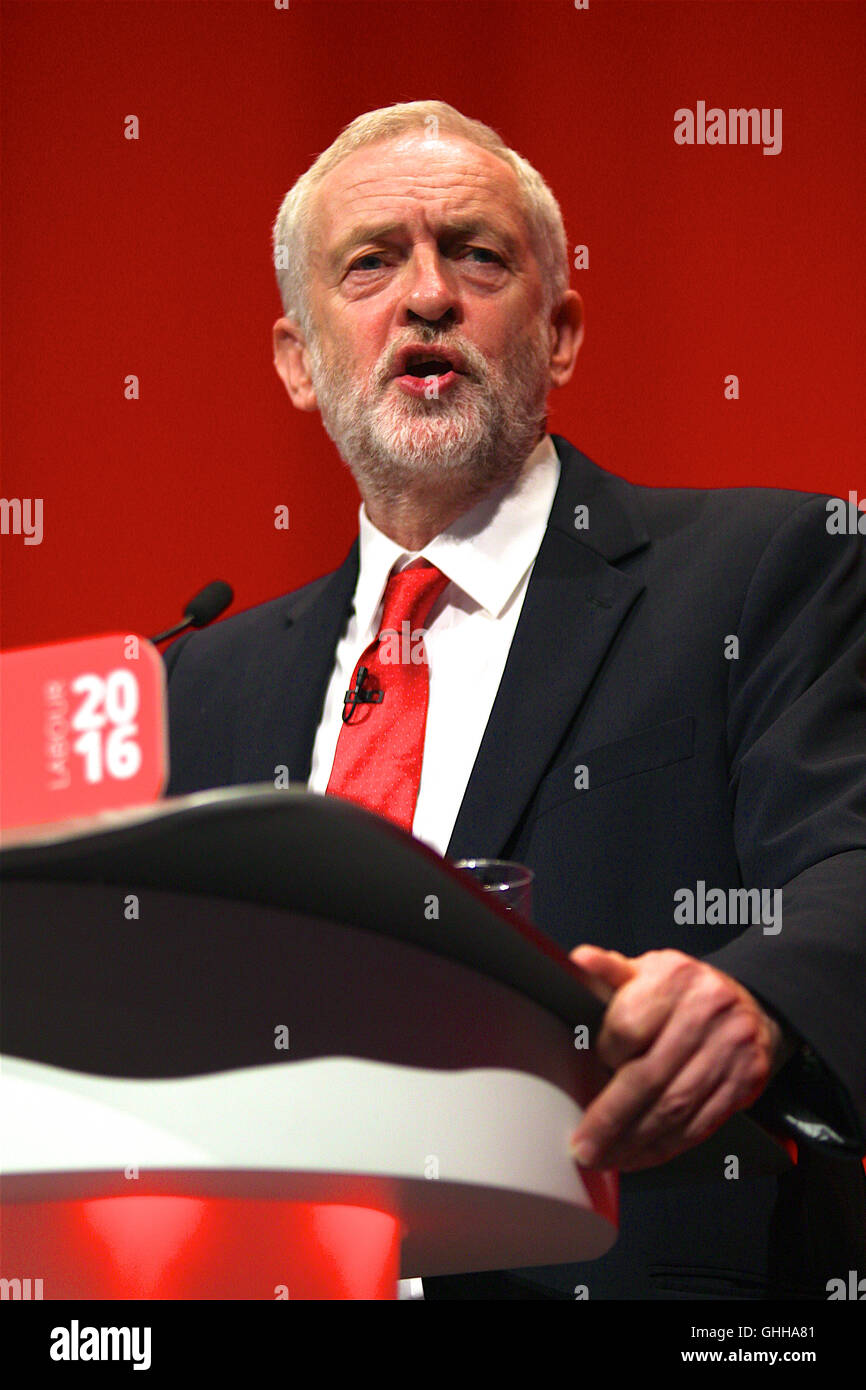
[(509, 883)]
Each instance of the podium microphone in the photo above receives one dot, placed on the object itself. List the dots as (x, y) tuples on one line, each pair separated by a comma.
[(207, 604)]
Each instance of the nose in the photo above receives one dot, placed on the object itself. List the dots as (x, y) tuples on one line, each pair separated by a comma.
[(430, 293)]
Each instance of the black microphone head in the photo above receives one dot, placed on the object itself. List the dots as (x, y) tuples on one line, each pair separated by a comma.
[(208, 603)]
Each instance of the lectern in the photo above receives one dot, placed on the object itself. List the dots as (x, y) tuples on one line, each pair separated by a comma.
[(262, 1044)]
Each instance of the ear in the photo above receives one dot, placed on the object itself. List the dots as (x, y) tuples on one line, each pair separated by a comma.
[(292, 362), (566, 336)]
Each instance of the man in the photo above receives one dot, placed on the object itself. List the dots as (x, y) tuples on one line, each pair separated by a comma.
[(643, 694)]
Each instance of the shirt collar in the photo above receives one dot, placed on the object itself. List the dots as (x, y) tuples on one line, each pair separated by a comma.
[(486, 552)]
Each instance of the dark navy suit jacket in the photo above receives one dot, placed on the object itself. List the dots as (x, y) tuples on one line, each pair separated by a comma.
[(744, 769)]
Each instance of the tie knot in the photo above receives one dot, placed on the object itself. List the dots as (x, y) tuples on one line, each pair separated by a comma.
[(409, 596)]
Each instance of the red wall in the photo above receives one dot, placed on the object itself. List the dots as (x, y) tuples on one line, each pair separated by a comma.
[(152, 257)]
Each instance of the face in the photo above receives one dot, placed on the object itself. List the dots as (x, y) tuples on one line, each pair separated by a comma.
[(433, 350)]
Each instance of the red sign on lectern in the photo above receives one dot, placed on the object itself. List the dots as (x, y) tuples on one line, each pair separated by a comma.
[(82, 728)]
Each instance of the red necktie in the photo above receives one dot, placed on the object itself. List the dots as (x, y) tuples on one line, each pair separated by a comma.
[(381, 742)]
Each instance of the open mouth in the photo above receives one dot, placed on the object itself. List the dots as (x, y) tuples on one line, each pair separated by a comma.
[(429, 366), (423, 371), (420, 360)]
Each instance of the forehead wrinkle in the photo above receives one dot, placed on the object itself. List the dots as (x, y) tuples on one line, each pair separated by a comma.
[(451, 206), (447, 178), (449, 156), (478, 198), (414, 176)]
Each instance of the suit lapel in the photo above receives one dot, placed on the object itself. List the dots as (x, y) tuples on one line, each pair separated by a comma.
[(296, 668), (575, 603)]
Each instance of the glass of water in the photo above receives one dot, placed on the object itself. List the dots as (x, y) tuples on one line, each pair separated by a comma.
[(509, 883)]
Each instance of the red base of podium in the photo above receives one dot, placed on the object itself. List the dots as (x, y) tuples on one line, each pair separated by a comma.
[(162, 1247)]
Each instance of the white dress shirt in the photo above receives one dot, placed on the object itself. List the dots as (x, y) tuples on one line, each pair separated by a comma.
[(487, 554)]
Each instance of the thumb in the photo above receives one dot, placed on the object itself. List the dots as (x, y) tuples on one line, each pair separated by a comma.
[(606, 971)]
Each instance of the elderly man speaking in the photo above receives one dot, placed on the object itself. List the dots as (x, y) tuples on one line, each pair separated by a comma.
[(653, 697)]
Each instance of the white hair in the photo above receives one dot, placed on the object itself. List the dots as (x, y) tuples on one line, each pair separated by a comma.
[(291, 232)]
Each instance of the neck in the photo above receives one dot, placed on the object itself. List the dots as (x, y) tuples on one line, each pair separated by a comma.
[(412, 521), (413, 516)]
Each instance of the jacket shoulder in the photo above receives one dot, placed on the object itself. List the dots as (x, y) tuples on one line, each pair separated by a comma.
[(745, 516), (221, 641), (749, 510)]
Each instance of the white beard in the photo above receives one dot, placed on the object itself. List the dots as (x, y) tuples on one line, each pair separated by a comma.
[(474, 437)]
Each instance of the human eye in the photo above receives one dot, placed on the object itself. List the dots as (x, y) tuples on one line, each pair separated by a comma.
[(487, 256), (365, 262)]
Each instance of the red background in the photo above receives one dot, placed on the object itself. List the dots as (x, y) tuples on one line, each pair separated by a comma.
[(153, 257)]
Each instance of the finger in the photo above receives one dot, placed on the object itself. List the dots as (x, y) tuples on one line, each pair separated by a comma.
[(673, 1124), (662, 988), (636, 1087), (718, 1108), (610, 965), (623, 1100), (604, 971), (635, 1017)]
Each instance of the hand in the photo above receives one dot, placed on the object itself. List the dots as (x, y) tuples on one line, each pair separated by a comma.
[(686, 1045)]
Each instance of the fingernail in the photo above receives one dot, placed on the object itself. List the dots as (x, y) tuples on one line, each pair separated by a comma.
[(583, 1152)]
